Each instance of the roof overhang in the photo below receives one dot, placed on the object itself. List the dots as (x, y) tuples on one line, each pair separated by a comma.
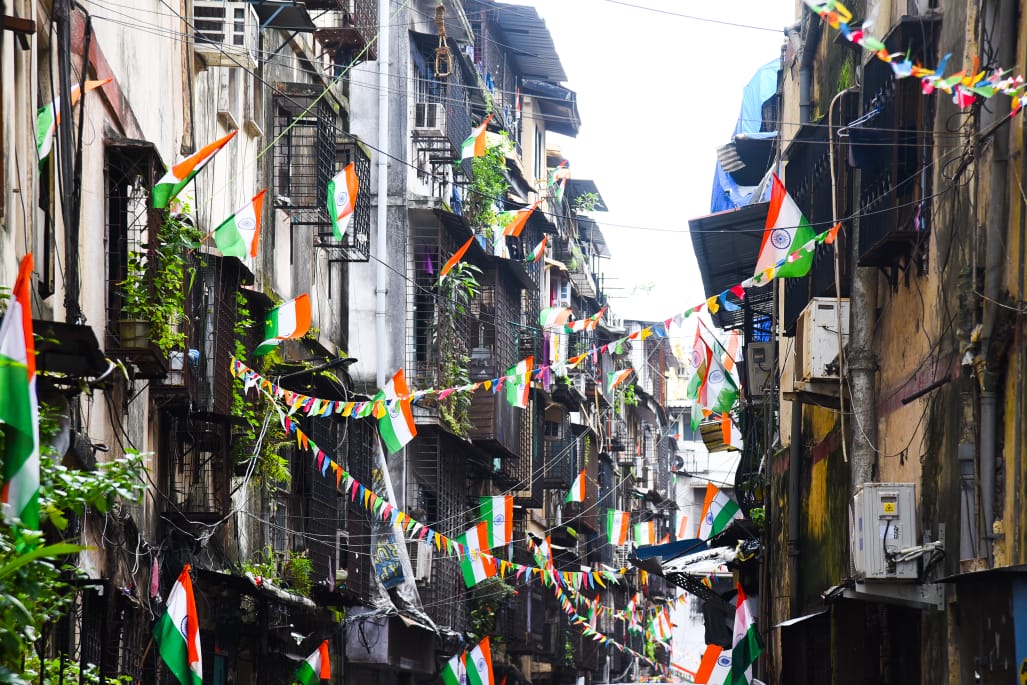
[(748, 156), (558, 105), (576, 187), (529, 42)]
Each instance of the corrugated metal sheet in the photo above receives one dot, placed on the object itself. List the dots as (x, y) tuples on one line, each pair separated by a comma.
[(531, 45)]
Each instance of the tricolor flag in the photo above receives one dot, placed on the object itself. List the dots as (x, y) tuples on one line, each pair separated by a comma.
[(554, 316), (700, 363), (615, 378), (286, 321), (237, 235), (718, 510), (48, 117), (19, 408), (475, 565), (455, 259), (719, 392), (342, 199), (587, 324), (177, 633), (747, 643), (786, 231), (518, 382), (474, 146), (479, 664), (715, 666), (558, 182), (397, 425), (577, 491), (455, 670), (682, 533), (538, 252), (617, 523), (316, 668), (180, 174), (729, 432), (645, 533), (515, 221), (497, 513), (543, 553)]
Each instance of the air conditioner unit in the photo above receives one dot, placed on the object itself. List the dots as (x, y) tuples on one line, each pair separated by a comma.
[(759, 368), (225, 33), (882, 521), (429, 119), (817, 339), (422, 567)]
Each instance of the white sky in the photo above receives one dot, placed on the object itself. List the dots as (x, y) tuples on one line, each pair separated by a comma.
[(657, 94)]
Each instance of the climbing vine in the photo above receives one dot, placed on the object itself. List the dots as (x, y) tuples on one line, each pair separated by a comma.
[(455, 294), (487, 189)]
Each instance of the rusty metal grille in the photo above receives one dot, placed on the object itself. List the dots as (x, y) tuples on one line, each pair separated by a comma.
[(213, 311), (361, 439), (356, 243), (322, 522), (199, 467)]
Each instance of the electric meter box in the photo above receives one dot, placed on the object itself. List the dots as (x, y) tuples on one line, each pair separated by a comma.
[(882, 521)]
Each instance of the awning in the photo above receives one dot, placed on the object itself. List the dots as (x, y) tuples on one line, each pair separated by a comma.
[(748, 156), (535, 54), (576, 187), (991, 574), (558, 106)]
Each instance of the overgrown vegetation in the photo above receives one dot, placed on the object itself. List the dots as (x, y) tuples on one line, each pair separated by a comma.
[(484, 601), (487, 189), (455, 295)]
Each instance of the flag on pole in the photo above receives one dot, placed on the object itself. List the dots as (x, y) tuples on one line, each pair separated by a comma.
[(455, 670), (474, 146), (515, 221), (19, 407), (177, 633), (615, 378), (475, 565), (316, 668), (49, 116), (342, 199), (577, 491), (479, 664), (518, 389), (286, 321), (237, 235), (700, 363), (455, 259), (729, 432), (617, 526), (180, 174), (554, 316), (719, 392), (786, 231), (747, 643), (718, 510), (397, 425), (497, 512), (538, 252)]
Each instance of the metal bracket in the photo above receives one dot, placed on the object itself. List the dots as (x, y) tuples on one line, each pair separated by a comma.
[(925, 596)]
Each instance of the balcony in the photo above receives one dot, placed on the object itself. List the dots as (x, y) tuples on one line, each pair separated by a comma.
[(561, 460), (496, 424), (346, 28)]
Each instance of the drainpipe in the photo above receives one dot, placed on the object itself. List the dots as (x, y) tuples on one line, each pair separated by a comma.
[(382, 227), (65, 144), (794, 458), (809, 51), (1001, 18)]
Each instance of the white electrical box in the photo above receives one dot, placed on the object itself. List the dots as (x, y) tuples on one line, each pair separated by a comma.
[(882, 521), (817, 339)]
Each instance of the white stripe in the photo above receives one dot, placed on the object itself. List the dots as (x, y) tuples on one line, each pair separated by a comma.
[(287, 319)]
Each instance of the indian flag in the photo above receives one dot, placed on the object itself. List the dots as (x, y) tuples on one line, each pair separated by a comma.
[(455, 259), (515, 221), (538, 252), (747, 643), (786, 231), (288, 320), (497, 513), (316, 668), (518, 382), (177, 633), (719, 392), (178, 176), (474, 146), (645, 533), (237, 235), (455, 670), (615, 378), (19, 408), (617, 526), (587, 324), (729, 432), (554, 316), (48, 117), (577, 491), (342, 198), (715, 666), (718, 510), (397, 425), (475, 565), (479, 664)]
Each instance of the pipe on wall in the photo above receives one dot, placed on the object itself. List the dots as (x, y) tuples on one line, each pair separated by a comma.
[(794, 472)]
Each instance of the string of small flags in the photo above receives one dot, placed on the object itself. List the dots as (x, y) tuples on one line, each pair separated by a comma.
[(313, 406), (964, 87)]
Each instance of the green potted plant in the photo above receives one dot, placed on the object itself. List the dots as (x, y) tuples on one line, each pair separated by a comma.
[(134, 324)]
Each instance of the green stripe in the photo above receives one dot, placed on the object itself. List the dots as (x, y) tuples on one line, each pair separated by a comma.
[(803, 234), (229, 240), (744, 655), (305, 674), (19, 439), (164, 193), (724, 516), (172, 647)]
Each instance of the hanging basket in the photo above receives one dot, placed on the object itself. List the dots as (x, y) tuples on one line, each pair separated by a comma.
[(135, 333)]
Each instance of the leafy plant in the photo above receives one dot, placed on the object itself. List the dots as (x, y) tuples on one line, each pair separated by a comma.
[(63, 669), (487, 189), (298, 570), (455, 295), (484, 600), (586, 202), (264, 564)]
